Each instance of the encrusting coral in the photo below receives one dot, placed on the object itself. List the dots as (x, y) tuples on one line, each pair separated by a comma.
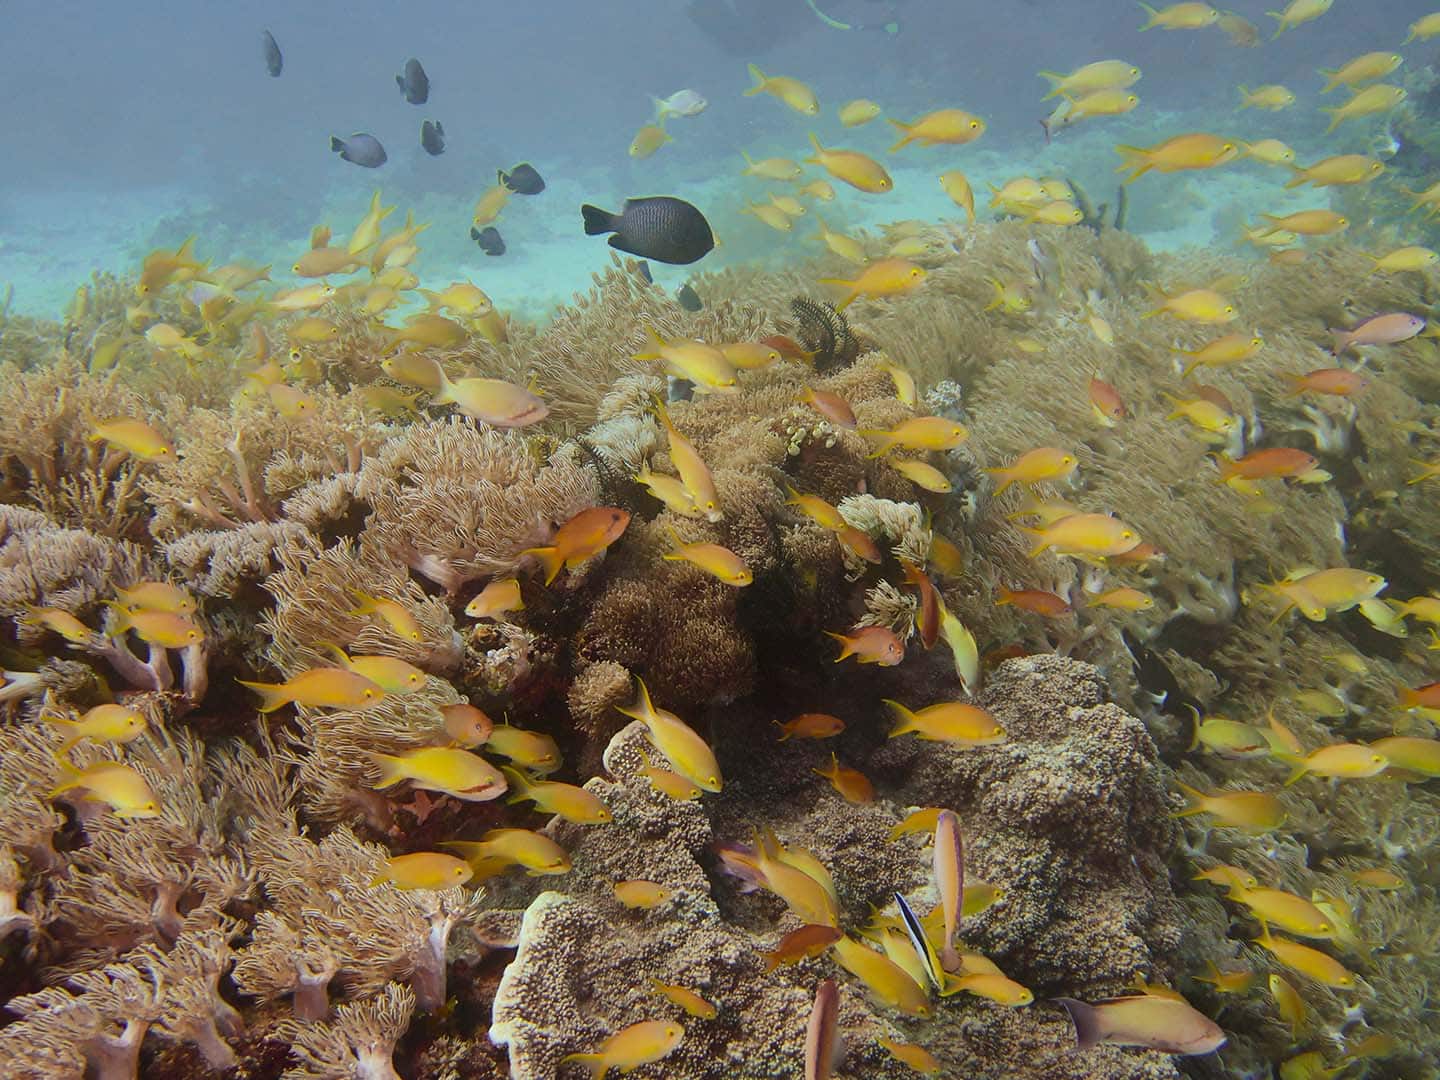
[(217, 890)]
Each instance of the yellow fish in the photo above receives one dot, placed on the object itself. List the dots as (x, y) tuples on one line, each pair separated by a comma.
[(156, 596), (466, 725), (459, 773), (687, 999), (687, 752), (1196, 305), (135, 437), (792, 92), (916, 1058), (990, 985), (59, 622), (918, 821), (922, 475), (1307, 961), (460, 297), (857, 112), (536, 852), (1339, 761), (717, 561), (492, 401), (887, 982), (1045, 463), (1093, 535), (919, 433), (101, 724), (424, 870), (390, 673), (957, 186), (819, 189), (639, 1044), (1297, 12), (1288, 1003), (647, 140), (368, 230), (1229, 349), (328, 688), (1101, 103), (1100, 75), (488, 206), (943, 126), (1410, 753), (1403, 259), (1257, 811), (119, 786), (565, 800), (644, 895), (670, 784), (1423, 28), (391, 612), (497, 598), (860, 171), (771, 168), (305, 298), (1272, 98), (702, 364), (1379, 98), (1285, 910), (1269, 151), (949, 721), (772, 216), (884, 277), (531, 749), (1363, 69), (1338, 170), (844, 246), (1183, 16), (1177, 154), (167, 629), (1122, 598)]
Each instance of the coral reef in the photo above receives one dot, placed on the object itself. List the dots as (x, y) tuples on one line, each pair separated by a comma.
[(207, 890)]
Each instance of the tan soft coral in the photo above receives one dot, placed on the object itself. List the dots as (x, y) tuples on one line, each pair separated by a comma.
[(457, 502)]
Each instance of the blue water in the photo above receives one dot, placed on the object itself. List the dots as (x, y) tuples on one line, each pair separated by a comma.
[(127, 128)]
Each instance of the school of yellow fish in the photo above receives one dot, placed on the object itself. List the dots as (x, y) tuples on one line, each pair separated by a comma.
[(911, 965)]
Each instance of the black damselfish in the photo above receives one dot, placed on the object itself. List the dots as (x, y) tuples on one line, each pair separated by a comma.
[(432, 137), (658, 227), (522, 179), (489, 240)]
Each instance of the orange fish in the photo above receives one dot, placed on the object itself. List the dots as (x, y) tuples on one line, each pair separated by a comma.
[(809, 941), (1338, 381), (852, 784), (927, 621), (1276, 461), (582, 537), (871, 645), (831, 406), (1106, 403), (811, 725), (1036, 601)]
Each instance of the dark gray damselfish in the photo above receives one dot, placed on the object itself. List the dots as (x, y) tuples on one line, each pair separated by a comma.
[(658, 227), (274, 59), (522, 179), (360, 149), (414, 83), (432, 137)]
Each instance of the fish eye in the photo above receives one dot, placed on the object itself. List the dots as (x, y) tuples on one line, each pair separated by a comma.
[(367, 693)]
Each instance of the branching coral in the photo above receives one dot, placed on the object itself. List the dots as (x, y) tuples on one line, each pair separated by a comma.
[(456, 502), (358, 1045)]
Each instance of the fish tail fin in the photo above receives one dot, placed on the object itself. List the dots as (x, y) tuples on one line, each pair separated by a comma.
[(272, 695), (1086, 1018), (904, 718), (760, 81), (1335, 119), (391, 769), (597, 221), (1194, 727), (519, 784), (887, 440), (337, 144), (1055, 79), (1195, 799), (815, 143), (905, 138), (337, 652), (847, 647), (1298, 768), (550, 560), (1341, 341), (1409, 698), (123, 621)]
